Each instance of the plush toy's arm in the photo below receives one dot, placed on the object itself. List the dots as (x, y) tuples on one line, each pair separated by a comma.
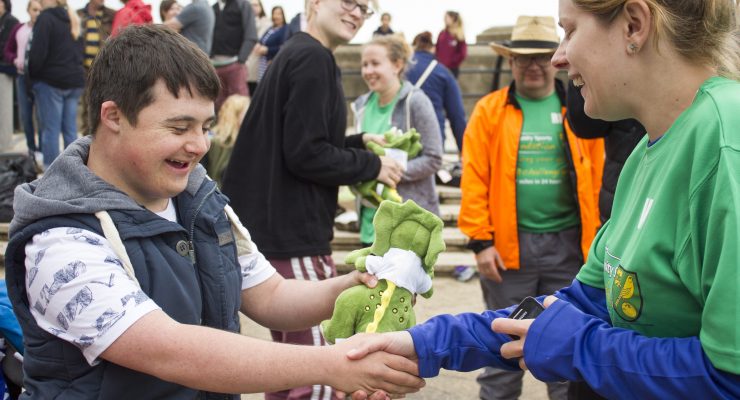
[(428, 294), (357, 258)]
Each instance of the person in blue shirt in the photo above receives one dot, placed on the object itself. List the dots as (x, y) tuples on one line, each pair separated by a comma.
[(439, 85), (655, 312)]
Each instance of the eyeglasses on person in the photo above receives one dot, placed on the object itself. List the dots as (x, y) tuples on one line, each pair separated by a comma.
[(542, 60), (350, 5)]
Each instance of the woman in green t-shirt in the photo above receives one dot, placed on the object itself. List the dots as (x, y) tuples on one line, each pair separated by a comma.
[(655, 311), (393, 102)]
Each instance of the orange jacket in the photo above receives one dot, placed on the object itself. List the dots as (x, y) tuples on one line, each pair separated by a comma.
[(490, 149)]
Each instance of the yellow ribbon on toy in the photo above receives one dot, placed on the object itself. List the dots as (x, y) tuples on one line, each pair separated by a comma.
[(385, 300)]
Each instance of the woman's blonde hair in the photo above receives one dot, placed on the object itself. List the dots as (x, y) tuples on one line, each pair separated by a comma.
[(703, 31), (456, 28), (230, 119), (397, 48)]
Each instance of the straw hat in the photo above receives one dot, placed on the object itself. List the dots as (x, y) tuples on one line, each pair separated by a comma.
[(531, 35)]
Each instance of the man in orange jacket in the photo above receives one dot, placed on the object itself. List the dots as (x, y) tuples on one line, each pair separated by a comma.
[(529, 186)]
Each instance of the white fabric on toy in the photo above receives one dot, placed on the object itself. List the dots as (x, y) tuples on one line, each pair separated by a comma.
[(402, 267)]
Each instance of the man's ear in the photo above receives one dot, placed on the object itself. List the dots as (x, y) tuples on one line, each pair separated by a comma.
[(639, 22), (111, 116)]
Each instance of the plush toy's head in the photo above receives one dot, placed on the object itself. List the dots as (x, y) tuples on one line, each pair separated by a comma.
[(408, 226), (373, 192)]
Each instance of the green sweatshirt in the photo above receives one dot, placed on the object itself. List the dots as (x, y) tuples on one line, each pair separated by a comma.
[(669, 258)]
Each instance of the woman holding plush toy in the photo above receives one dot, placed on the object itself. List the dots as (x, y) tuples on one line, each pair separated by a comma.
[(394, 102)]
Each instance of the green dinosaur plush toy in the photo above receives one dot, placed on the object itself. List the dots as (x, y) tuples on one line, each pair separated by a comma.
[(407, 244), (409, 142)]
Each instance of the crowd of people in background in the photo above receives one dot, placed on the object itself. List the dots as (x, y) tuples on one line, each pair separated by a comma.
[(240, 38), (539, 175)]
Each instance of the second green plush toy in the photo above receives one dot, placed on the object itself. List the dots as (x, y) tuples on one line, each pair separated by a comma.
[(374, 192), (408, 242)]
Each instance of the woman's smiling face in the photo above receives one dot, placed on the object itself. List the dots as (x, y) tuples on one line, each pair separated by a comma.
[(594, 54)]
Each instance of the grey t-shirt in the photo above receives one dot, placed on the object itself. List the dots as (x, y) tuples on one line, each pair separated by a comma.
[(197, 21)]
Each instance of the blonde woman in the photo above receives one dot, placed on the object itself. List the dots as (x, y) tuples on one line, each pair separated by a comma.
[(451, 47), (55, 67), (655, 312), (393, 102), (230, 118)]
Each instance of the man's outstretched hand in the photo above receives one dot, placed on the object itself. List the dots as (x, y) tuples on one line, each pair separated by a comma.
[(396, 343)]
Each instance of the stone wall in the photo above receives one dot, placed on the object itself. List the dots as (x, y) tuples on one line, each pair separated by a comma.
[(476, 78)]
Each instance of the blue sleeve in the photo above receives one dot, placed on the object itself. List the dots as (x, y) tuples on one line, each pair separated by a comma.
[(586, 298), (620, 363), (464, 342), (454, 109)]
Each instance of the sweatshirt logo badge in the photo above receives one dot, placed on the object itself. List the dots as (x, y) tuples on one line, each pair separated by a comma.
[(624, 295)]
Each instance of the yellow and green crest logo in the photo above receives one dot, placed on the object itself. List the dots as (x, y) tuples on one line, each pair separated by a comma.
[(625, 295)]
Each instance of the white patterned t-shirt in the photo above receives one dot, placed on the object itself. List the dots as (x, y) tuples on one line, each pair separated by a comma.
[(79, 292)]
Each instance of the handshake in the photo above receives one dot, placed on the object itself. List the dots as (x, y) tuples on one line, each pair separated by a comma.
[(386, 365)]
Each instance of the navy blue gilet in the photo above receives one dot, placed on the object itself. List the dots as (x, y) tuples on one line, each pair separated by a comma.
[(199, 284)]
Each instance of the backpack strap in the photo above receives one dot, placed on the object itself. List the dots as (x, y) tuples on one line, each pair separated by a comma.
[(244, 242), (111, 234), (408, 110), (426, 74)]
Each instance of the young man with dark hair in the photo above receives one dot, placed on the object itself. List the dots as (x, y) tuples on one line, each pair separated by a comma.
[(127, 268)]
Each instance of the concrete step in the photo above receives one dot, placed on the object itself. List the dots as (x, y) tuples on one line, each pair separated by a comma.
[(449, 194), (446, 262), (449, 213), (344, 240)]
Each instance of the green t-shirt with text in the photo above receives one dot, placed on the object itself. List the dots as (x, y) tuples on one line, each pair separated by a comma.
[(545, 197), (669, 258)]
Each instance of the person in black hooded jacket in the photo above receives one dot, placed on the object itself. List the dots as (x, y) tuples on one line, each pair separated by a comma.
[(620, 138), (55, 68)]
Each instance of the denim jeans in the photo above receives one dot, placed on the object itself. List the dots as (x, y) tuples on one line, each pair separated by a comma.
[(57, 110), (25, 109)]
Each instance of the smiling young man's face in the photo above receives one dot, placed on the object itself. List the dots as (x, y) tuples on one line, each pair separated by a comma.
[(338, 26), (155, 158)]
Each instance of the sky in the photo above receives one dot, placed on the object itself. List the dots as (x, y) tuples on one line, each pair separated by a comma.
[(409, 16)]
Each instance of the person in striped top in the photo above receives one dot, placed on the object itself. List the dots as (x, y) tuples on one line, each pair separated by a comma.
[(96, 21)]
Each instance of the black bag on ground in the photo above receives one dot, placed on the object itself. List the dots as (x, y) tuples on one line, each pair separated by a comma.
[(15, 168)]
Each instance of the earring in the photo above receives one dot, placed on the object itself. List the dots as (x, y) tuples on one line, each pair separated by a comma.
[(632, 48)]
